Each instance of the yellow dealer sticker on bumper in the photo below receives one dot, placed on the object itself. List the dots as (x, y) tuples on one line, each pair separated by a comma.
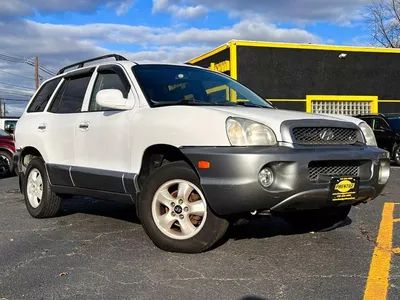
[(344, 189)]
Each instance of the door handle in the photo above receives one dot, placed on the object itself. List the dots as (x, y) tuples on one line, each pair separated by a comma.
[(42, 127), (84, 126)]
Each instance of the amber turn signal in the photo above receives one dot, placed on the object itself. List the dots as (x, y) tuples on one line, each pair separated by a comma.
[(203, 164)]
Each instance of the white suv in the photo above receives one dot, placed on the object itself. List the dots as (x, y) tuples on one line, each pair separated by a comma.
[(192, 148)]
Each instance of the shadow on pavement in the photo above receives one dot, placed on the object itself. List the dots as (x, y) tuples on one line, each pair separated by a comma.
[(270, 227), (121, 211), (257, 228)]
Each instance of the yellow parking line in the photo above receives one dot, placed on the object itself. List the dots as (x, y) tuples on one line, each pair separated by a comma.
[(396, 220), (378, 277), (396, 250)]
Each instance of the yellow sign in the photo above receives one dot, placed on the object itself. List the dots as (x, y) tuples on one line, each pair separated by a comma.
[(343, 189), (221, 67), (344, 186)]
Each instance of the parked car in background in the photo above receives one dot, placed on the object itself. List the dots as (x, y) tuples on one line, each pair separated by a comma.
[(7, 150), (386, 128), (8, 124)]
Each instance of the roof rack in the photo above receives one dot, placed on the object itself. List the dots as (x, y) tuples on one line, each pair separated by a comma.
[(82, 63)]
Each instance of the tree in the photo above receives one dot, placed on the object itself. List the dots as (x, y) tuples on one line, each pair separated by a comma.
[(383, 19)]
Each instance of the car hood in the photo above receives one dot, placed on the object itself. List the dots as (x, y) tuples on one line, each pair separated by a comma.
[(273, 118)]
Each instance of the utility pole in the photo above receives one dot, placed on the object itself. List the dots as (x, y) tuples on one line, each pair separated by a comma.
[(4, 108), (1, 111), (36, 72)]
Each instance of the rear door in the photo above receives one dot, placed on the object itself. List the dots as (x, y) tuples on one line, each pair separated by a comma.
[(61, 117)]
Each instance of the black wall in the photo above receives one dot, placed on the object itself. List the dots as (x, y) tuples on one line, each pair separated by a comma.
[(216, 58), (389, 107), (294, 73), (291, 105)]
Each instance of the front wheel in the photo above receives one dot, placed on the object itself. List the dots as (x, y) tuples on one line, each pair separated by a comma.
[(319, 219), (174, 211)]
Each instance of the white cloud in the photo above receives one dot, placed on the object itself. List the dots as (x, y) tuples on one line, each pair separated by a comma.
[(24, 8), (340, 11), (179, 9), (51, 39), (121, 7), (58, 45)]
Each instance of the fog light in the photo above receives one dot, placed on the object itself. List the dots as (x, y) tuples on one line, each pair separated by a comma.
[(266, 177), (384, 171)]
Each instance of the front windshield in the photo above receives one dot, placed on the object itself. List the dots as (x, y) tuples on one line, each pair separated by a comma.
[(172, 85), (394, 122)]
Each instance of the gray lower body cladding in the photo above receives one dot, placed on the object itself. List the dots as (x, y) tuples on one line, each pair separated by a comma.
[(231, 184)]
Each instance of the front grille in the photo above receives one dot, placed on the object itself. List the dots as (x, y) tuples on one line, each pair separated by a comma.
[(324, 136), (331, 168)]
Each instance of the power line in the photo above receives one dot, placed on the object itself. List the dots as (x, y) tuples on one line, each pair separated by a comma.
[(18, 86), (17, 75), (15, 100), (10, 53), (27, 61), (7, 92)]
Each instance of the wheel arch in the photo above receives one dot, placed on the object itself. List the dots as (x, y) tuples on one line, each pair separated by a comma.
[(6, 149), (26, 156), (157, 155)]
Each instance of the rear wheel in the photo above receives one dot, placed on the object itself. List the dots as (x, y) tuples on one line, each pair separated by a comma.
[(40, 201), (317, 220), (174, 211)]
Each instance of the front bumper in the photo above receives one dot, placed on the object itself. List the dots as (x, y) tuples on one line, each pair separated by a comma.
[(231, 183)]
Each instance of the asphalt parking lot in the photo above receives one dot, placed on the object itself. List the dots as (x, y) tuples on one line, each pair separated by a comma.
[(98, 250)]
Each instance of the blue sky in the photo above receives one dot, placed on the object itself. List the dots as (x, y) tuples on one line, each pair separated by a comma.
[(61, 32)]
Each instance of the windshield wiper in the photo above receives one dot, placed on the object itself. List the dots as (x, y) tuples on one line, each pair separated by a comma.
[(249, 104)]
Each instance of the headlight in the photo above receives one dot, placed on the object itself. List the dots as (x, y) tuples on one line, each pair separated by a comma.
[(243, 132), (368, 134)]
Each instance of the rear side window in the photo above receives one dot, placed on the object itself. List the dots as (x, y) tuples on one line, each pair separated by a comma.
[(69, 98), (43, 96)]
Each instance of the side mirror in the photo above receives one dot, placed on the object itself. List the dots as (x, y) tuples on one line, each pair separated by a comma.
[(111, 98)]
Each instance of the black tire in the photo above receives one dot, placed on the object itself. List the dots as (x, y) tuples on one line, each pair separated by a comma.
[(50, 203), (317, 220), (396, 155), (7, 169), (213, 229)]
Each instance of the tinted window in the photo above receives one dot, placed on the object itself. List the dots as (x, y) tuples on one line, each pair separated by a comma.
[(43, 96), (70, 96), (380, 124), (107, 80)]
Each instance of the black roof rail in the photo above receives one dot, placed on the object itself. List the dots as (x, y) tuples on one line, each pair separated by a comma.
[(83, 62)]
